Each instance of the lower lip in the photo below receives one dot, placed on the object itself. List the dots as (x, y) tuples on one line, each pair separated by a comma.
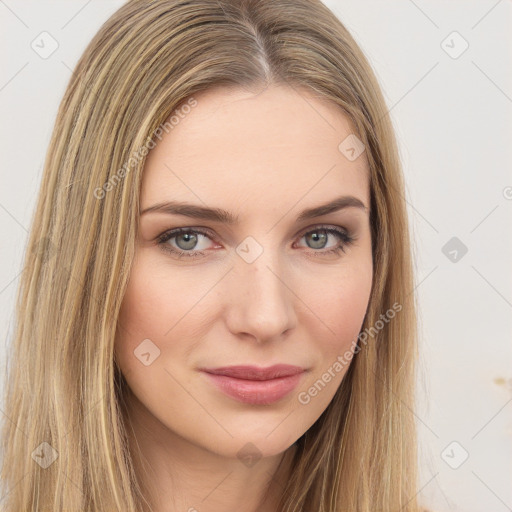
[(260, 392)]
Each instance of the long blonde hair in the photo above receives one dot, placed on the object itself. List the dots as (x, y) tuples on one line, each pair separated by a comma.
[(64, 436)]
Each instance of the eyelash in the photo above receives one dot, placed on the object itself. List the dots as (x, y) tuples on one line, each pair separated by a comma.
[(163, 238)]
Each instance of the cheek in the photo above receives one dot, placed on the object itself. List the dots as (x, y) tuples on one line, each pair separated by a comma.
[(341, 305), (160, 305), (348, 308), (141, 314), (150, 308), (156, 299)]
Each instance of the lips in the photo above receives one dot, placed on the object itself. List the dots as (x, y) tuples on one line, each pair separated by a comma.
[(255, 373), (254, 385)]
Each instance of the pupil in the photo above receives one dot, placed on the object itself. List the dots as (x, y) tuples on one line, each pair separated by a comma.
[(319, 238), (190, 241)]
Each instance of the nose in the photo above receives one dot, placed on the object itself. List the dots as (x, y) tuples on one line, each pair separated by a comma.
[(260, 299)]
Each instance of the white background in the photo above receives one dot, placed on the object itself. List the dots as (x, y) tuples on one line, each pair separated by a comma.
[(453, 121)]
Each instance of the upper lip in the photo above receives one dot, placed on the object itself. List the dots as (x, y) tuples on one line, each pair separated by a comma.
[(255, 372)]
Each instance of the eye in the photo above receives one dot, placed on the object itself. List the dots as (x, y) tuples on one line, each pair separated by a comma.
[(193, 242), (185, 242), (318, 237)]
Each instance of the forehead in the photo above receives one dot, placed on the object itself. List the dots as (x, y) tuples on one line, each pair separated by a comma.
[(235, 147)]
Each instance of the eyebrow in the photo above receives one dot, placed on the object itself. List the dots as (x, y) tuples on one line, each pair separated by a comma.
[(223, 216)]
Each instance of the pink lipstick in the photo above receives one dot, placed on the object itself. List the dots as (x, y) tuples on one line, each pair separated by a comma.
[(255, 385)]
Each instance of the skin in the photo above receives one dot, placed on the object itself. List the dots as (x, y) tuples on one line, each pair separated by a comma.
[(265, 157)]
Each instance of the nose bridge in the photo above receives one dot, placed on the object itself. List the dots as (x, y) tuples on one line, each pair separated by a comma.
[(262, 303)]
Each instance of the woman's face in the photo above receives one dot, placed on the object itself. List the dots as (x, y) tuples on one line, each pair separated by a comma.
[(259, 276)]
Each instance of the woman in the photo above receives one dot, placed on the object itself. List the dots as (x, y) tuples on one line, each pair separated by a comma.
[(216, 310)]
